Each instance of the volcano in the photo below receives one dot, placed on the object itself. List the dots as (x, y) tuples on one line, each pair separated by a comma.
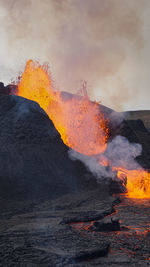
[(53, 211)]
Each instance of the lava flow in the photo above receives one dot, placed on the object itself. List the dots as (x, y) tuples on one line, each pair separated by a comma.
[(79, 121), (138, 182)]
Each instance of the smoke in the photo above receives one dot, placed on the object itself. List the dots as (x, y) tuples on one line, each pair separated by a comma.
[(122, 153), (92, 165), (119, 153), (105, 43)]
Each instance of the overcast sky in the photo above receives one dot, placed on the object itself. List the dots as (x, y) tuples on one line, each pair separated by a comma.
[(106, 43)]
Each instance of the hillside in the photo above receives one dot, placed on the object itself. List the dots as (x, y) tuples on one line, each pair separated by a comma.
[(143, 115)]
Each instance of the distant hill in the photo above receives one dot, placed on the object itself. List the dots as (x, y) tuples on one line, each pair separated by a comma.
[(143, 115)]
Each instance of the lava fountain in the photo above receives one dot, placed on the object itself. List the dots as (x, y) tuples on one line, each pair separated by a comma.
[(80, 122), (77, 119)]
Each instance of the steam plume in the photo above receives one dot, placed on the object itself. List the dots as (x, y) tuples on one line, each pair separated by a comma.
[(119, 153)]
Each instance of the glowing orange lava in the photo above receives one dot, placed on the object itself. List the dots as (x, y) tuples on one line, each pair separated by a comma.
[(79, 121), (138, 182), (35, 84)]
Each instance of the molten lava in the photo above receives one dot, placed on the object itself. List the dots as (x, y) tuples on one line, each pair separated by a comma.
[(138, 182), (77, 119), (80, 122), (35, 84)]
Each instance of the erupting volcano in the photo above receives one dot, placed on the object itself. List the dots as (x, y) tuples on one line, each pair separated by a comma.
[(80, 122)]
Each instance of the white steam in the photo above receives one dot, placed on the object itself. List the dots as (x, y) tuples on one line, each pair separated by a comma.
[(92, 164), (120, 153)]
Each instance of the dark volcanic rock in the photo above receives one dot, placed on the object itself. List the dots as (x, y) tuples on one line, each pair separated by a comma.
[(34, 160), (143, 115), (135, 132), (31, 234), (7, 90), (4, 90), (107, 226)]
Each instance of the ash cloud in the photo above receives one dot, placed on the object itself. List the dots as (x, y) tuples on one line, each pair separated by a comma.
[(103, 42)]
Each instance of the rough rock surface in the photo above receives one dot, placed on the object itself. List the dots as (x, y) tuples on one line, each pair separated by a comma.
[(36, 235), (34, 160)]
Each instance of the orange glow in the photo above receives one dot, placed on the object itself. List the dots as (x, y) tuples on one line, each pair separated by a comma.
[(77, 119), (35, 84), (138, 182), (80, 122)]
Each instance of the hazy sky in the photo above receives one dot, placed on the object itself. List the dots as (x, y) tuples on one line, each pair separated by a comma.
[(105, 42)]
